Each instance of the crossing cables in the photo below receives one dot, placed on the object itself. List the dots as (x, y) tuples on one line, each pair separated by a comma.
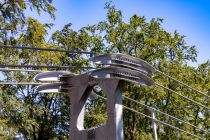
[(93, 53), (156, 110), (192, 88), (156, 120), (80, 67), (186, 98)]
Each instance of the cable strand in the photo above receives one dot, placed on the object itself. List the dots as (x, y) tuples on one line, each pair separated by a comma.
[(186, 98), (22, 70), (152, 108), (42, 66), (164, 123), (156, 120), (192, 88), (84, 52), (21, 83), (46, 49)]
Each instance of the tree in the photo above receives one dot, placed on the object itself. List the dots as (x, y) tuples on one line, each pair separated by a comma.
[(167, 52), (38, 116), (12, 12), (31, 115)]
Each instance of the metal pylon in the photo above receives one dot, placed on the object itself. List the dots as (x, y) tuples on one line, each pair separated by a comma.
[(79, 93)]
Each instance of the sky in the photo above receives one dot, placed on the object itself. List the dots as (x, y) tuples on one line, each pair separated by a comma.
[(189, 17)]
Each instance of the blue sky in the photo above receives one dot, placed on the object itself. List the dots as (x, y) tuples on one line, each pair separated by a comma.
[(189, 17)]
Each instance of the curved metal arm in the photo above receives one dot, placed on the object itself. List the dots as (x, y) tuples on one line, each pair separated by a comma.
[(123, 61)]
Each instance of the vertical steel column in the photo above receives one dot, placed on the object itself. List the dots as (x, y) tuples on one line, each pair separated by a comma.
[(114, 126), (154, 125), (79, 92)]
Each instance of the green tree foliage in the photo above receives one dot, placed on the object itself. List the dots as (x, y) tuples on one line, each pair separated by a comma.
[(12, 13), (167, 52), (37, 116), (30, 115), (12, 20)]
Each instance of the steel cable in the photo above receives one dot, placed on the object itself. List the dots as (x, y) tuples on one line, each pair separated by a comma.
[(84, 52), (46, 49), (156, 120), (42, 66), (21, 83), (22, 70), (186, 98), (164, 113), (192, 88)]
